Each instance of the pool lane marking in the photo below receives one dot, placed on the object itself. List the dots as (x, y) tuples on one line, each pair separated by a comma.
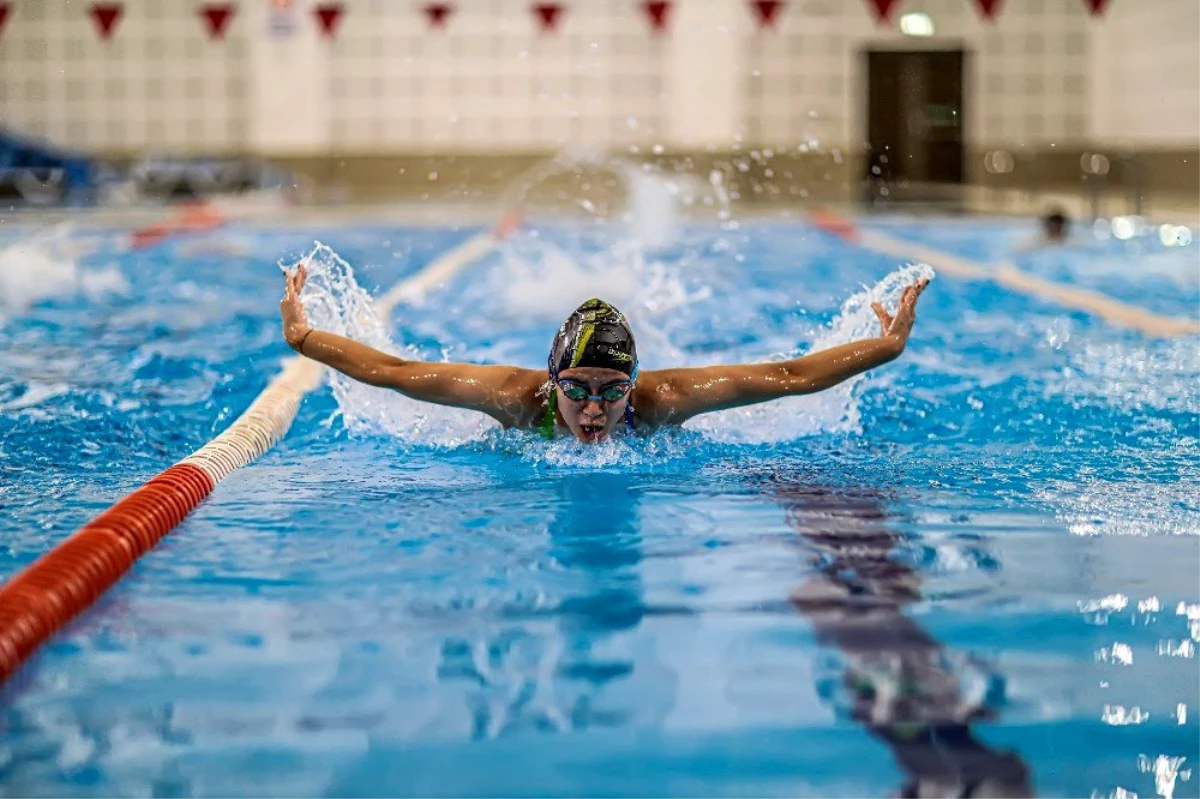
[(50, 592), (951, 264), (1103, 306), (1008, 275)]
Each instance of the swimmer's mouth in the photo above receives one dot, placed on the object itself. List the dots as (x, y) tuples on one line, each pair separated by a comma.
[(591, 432)]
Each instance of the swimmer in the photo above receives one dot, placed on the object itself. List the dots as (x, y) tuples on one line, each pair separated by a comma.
[(1056, 227), (1055, 232), (591, 386)]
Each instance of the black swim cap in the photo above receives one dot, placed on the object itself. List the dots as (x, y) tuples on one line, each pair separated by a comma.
[(596, 334)]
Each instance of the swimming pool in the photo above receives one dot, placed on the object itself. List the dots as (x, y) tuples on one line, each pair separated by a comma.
[(996, 538)]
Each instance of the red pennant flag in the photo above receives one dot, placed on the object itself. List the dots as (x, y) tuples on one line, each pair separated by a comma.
[(328, 14), (767, 11), (4, 9), (106, 16), (883, 10), (988, 8), (548, 15), (1096, 7), (438, 13), (657, 12), (217, 16)]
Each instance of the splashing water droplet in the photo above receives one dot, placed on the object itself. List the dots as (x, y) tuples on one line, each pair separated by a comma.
[(336, 302), (833, 410)]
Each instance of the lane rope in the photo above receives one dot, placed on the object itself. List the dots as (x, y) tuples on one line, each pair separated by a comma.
[(196, 218), (50, 592), (1008, 275)]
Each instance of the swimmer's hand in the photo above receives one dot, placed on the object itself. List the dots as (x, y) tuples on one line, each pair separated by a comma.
[(295, 321), (899, 327)]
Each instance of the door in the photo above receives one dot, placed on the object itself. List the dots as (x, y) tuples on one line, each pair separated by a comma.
[(914, 124)]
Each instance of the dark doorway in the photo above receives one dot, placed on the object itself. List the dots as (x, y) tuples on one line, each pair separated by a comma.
[(914, 125)]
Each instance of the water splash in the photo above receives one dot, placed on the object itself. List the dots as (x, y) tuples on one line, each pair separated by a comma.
[(539, 281), (46, 265), (653, 213), (336, 302), (832, 411), (654, 197)]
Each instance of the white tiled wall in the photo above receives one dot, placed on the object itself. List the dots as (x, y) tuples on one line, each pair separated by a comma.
[(1027, 78), (1147, 67), (492, 80), (157, 83), (1043, 73)]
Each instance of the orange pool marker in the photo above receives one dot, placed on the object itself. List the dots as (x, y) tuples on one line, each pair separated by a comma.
[(509, 222), (65, 581), (191, 219), (833, 223)]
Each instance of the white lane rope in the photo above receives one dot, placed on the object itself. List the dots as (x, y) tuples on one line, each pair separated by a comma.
[(1008, 275)]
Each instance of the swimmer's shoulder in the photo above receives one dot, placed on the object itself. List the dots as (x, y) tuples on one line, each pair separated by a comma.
[(526, 392), (653, 399)]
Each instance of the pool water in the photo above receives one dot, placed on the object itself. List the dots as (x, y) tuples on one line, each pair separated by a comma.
[(974, 570)]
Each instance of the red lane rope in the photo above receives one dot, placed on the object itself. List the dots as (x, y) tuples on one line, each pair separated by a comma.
[(65, 581)]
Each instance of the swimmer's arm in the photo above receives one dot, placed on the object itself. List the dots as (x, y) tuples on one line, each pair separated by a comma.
[(671, 396), (506, 393), (676, 395), (501, 392)]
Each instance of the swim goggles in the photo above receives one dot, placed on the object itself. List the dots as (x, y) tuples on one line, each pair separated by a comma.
[(581, 392)]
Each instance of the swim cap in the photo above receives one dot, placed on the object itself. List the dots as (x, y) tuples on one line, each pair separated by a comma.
[(596, 334)]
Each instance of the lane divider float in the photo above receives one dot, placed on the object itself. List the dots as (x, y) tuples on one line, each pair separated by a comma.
[(1008, 275), (61, 584), (190, 219)]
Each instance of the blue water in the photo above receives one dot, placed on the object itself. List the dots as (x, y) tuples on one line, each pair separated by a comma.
[(970, 566)]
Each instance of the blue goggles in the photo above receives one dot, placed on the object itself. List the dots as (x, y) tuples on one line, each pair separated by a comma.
[(582, 392)]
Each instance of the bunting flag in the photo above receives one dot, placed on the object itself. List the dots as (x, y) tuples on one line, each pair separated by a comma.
[(1096, 7), (988, 8), (328, 16), (106, 16), (5, 8), (438, 13), (657, 13), (766, 11), (216, 17), (548, 15), (883, 10)]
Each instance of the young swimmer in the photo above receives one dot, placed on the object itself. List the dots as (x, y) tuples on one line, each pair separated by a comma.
[(591, 386)]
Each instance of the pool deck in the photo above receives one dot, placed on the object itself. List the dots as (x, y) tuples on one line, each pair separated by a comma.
[(269, 210)]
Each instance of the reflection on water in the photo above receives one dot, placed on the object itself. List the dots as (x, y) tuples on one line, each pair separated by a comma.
[(555, 671), (896, 679), (575, 666)]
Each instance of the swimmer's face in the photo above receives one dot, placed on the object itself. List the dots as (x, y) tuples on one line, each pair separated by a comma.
[(590, 420)]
